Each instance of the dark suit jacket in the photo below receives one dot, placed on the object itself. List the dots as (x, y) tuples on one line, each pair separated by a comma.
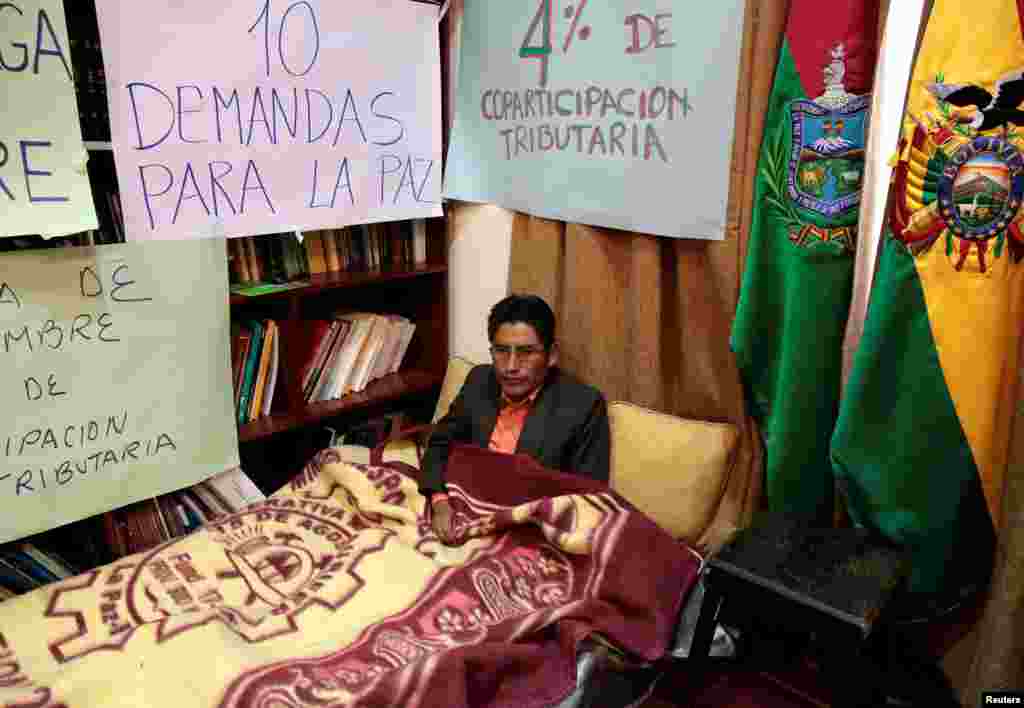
[(566, 429)]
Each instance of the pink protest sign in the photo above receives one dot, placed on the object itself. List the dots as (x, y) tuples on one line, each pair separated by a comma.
[(239, 117)]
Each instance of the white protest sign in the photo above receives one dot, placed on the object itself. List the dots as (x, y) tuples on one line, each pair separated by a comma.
[(270, 115), (115, 378), (44, 187), (615, 113)]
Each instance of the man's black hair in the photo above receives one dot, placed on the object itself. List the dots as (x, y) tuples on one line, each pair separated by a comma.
[(528, 309)]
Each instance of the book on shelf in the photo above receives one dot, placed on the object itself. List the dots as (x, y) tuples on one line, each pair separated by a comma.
[(270, 384), (24, 563), (282, 258), (344, 350), (267, 258), (235, 487), (14, 580), (31, 563), (257, 289), (370, 352), (212, 506), (255, 362), (249, 369), (314, 346), (56, 565), (378, 246), (346, 354), (419, 241), (262, 370)]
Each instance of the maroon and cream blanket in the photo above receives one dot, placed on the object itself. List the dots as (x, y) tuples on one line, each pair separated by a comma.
[(335, 592)]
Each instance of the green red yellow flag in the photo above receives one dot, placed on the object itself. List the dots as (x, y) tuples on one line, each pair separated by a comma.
[(921, 444)]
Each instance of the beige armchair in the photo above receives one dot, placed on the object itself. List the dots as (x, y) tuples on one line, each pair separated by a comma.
[(673, 469)]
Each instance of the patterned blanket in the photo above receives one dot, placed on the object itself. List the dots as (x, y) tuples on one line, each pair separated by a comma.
[(335, 591)]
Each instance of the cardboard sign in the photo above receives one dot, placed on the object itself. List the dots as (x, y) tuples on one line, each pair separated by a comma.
[(241, 117), (608, 113), (115, 378), (44, 187)]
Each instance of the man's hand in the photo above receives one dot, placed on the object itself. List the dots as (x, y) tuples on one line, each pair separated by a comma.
[(442, 521)]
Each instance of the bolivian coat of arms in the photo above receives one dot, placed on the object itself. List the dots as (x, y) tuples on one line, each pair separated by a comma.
[(814, 182), (959, 179)]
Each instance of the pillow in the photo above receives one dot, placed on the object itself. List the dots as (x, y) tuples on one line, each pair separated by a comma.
[(672, 469)]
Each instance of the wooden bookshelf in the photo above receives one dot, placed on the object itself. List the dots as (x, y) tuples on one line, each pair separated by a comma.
[(274, 448), (417, 292)]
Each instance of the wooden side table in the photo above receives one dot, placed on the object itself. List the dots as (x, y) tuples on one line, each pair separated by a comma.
[(830, 586)]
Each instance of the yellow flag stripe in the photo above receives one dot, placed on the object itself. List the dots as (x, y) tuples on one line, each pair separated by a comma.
[(975, 316)]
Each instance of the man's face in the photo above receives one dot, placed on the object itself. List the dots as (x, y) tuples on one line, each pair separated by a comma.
[(520, 360)]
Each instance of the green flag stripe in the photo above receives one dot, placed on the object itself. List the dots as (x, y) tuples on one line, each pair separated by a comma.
[(789, 325), (900, 453)]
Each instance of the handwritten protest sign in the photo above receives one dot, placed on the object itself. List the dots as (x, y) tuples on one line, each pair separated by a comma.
[(615, 113), (242, 117), (44, 187), (114, 376)]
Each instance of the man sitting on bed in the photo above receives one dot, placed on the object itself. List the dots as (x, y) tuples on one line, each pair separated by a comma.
[(523, 403)]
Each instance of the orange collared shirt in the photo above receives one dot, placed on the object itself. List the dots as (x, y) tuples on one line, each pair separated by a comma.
[(509, 426)]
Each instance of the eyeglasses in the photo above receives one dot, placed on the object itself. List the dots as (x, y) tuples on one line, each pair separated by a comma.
[(505, 351)]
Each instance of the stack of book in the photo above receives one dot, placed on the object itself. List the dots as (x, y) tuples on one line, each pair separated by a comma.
[(25, 566), (255, 358), (269, 258), (347, 353), (148, 523), (31, 563)]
